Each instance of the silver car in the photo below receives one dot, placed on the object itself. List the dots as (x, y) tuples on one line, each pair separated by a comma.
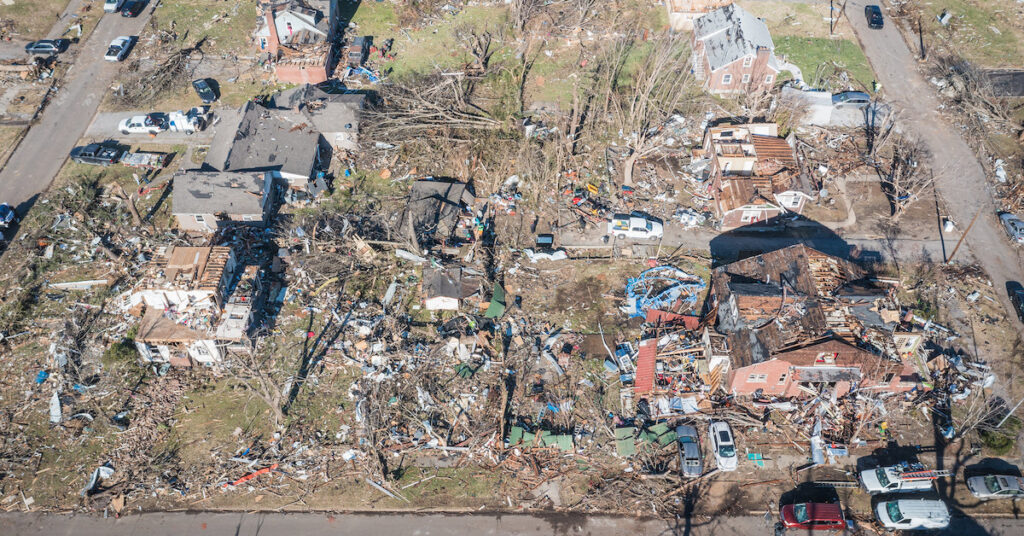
[(986, 487), (691, 463), (1014, 227)]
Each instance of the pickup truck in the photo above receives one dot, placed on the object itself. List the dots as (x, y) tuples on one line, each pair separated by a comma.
[(894, 479), (623, 226), (96, 154)]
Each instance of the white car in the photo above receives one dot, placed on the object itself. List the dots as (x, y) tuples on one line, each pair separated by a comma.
[(143, 124), (890, 480), (1014, 227), (912, 514), (724, 445), (111, 6), (118, 48), (996, 487), (623, 226)]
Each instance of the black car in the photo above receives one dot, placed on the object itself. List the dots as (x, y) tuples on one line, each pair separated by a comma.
[(132, 8), (1016, 292), (47, 46), (204, 90), (874, 15), (96, 154)]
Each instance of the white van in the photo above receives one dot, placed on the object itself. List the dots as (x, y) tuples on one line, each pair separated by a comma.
[(912, 514), (892, 479)]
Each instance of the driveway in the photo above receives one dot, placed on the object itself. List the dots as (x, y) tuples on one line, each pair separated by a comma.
[(104, 127), (959, 179), (41, 154)]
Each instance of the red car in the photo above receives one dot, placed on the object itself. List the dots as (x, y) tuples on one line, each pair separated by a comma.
[(813, 516)]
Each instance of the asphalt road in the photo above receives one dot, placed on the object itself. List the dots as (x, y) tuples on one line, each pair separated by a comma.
[(959, 179), (240, 524), (44, 149)]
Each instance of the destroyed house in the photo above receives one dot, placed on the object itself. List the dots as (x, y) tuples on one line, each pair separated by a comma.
[(335, 115), (281, 142), (206, 201), (436, 213), (297, 36), (451, 289), (753, 174), (733, 52), (801, 371), (180, 300), (789, 297)]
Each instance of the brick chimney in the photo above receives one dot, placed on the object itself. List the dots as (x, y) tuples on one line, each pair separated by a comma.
[(273, 42)]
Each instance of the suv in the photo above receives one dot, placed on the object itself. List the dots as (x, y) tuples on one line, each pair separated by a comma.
[(1016, 292), (874, 15), (912, 514), (724, 445), (690, 463), (851, 99), (813, 516), (132, 8), (96, 154), (47, 46)]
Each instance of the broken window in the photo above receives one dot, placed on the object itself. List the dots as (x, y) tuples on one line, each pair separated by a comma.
[(782, 379)]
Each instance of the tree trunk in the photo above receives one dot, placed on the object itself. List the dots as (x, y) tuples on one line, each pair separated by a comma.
[(627, 171)]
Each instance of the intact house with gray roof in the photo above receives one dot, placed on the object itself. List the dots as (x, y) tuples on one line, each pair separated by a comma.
[(206, 201), (335, 115), (282, 142), (733, 52)]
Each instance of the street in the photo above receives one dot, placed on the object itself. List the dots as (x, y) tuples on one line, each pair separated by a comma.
[(242, 524), (45, 147), (959, 179)]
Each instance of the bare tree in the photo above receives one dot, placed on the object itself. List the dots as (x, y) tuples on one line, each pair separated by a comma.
[(523, 11), (257, 369), (661, 82), (427, 103), (904, 181)]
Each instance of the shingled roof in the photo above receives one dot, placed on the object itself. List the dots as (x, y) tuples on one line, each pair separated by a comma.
[(730, 33)]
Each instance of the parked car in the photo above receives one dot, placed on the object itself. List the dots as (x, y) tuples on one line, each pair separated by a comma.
[(813, 516), (724, 445), (623, 226), (132, 8), (874, 15), (851, 99), (1016, 292), (7, 215), (118, 48), (111, 6), (890, 480), (986, 487), (143, 124), (691, 464), (96, 154), (47, 46), (912, 514), (1014, 226), (204, 90)]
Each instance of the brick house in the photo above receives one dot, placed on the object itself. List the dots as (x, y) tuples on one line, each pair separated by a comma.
[(832, 362), (682, 13), (733, 52), (753, 174)]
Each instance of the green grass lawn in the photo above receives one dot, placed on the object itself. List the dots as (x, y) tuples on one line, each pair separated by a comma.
[(32, 18), (988, 32), (810, 54), (227, 26)]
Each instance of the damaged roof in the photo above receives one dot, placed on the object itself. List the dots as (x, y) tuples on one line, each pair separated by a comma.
[(265, 140), (731, 33), (215, 192), (434, 208), (328, 112)]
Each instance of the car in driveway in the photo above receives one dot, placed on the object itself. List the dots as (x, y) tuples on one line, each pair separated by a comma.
[(118, 48), (812, 516), (47, 47), (132, 8), (1013, 225), (96, 154), (851, 99), (987, 487), (7, 215), (874, 15), (691, 464), (143, 124), (1016, 293), (635, 225), (205, 90), (111, 6), (724, 445), (912, 514)]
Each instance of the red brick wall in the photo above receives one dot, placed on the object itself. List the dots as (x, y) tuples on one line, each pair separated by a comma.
[(757, 70)]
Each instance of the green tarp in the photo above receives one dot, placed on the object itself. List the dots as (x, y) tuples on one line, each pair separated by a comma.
[(517, 435), (497, 306), (625, 444)]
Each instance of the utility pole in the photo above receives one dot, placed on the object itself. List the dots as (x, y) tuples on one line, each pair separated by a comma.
[(963, 236), (1010, 413), (920, 37)]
